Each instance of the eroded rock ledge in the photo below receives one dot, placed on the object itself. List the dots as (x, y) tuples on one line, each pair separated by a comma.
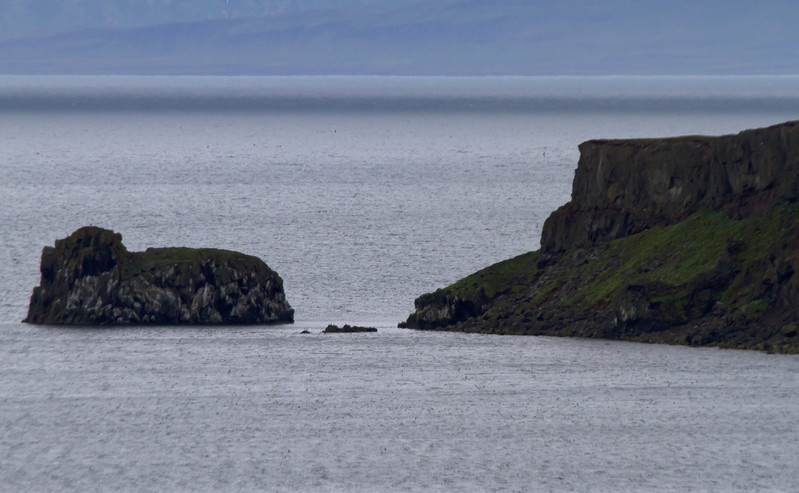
[(689, 240), (90, 278)]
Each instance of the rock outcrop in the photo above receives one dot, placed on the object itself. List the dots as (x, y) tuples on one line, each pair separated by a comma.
[(622, 187), (347, 329), (691, 240), (90, 278)]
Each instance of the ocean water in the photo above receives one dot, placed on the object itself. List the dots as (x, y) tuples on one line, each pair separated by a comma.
[(363, 193)]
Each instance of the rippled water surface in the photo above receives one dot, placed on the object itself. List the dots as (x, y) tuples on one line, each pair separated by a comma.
[(362, 193)]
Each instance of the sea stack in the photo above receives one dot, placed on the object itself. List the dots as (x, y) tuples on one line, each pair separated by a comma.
[(90, 278), (688, 240)]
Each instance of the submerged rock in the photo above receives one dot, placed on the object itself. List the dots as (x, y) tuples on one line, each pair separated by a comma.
[(90, 278), (335, 329), (688, 240)]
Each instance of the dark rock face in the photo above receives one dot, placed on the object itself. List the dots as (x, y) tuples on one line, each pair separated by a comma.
[(90, 278), (441, 308), (624, 187), (690, 240)]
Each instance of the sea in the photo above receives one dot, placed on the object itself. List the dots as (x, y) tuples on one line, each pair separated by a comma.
[(362, 193)]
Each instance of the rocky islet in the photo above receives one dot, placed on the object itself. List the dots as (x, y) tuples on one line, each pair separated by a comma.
[(90, 278), (347, 329)]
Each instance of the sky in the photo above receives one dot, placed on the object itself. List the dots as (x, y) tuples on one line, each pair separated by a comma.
[(400, 37)]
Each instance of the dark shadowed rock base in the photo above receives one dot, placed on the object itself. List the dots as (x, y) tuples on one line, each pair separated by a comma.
[(689, 240), (90, 278)]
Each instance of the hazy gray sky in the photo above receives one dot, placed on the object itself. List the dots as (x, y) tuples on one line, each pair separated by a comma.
[(446, 37)]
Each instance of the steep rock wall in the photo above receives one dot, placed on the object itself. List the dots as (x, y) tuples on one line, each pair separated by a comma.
[(622, 187)]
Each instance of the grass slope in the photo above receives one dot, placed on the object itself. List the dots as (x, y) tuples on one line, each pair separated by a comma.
[(710, 279)]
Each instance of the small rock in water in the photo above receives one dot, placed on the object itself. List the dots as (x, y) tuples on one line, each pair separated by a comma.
[(335, 329)]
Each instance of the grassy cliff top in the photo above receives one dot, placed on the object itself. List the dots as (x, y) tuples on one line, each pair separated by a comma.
[(91, 249), (140, 262)]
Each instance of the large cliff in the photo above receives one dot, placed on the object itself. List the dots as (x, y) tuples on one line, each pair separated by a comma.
[(90, 278), (691, 240)]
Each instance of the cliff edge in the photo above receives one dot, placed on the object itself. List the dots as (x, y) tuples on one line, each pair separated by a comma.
[(90, 278), (688, 240)]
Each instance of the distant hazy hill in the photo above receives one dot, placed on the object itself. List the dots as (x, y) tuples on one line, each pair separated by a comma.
[(462, 37), (47, 17)]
